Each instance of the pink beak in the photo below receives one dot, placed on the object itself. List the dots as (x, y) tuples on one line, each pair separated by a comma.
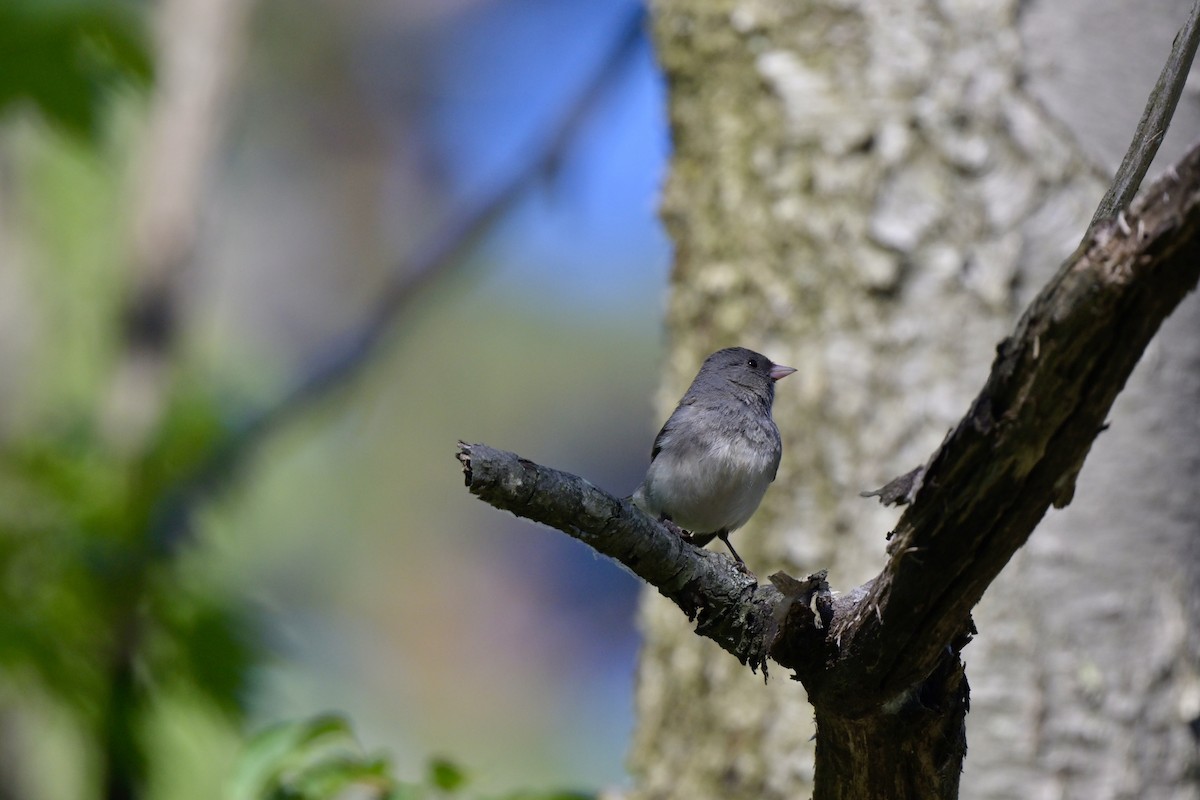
[(780, 371)]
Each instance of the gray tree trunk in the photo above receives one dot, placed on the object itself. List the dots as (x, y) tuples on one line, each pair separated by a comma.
[(868, 191)]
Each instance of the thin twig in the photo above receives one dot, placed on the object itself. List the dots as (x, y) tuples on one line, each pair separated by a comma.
[(1156, 118), (345, 357)]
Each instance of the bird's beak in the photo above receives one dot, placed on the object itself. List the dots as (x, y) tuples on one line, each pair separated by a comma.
[(780, 371)]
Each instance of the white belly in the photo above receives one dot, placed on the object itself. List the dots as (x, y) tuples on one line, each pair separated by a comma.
[(709, 491)]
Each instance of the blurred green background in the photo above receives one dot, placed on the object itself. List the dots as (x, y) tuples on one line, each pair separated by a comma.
[(172, 586)]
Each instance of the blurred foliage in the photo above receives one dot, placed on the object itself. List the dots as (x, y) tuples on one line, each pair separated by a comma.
[(88, 574), (70, 203), (320, 759), (66, 56), (100, 613), (97, 620), (118, 656)]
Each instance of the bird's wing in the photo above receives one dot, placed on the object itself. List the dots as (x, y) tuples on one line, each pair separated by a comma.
[(682, 411), (778, 450), (659, 440)]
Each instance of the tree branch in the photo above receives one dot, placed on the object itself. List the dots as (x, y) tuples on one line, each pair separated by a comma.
[(1016, 452), (728, 605), (346, 356), (1024, 440), (881, 663), (1156, 118)]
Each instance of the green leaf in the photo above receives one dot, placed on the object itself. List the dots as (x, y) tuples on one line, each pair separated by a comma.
[(329, 777), (203, 640), (68, 56), (446, 775), (311, 760), (319, 760)]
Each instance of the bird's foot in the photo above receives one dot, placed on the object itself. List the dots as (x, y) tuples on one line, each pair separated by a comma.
[(675, 529), (724, 537)]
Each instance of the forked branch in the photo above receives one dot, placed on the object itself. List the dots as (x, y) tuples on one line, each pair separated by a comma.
[(1016, 452)]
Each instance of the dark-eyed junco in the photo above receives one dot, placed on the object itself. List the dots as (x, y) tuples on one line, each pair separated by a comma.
[(715, 457)]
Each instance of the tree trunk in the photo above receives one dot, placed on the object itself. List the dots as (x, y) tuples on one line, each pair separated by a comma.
[(864, 191)]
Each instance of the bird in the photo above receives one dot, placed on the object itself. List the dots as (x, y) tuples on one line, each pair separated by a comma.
[(718, 452)]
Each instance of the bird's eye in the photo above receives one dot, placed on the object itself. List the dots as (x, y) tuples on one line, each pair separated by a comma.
[(753, 363)]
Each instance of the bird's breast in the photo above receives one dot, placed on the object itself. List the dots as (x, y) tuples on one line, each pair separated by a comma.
[(716, 485)]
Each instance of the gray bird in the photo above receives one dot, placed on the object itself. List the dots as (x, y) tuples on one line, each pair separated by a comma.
[(713, 460)]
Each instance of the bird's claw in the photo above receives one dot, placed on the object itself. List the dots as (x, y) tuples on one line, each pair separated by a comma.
[(675, 529)]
